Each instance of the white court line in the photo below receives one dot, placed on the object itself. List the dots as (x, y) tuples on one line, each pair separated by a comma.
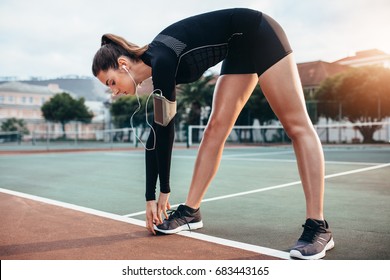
[(357, 170), (278, 186), (296, 183), (198, 236), (74, 207), (259, 154), (194, 156), (238, 245), (293, 160), (237, 157)]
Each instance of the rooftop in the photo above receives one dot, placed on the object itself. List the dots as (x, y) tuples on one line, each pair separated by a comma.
[(20, 87), (313, 73), (371, 54)]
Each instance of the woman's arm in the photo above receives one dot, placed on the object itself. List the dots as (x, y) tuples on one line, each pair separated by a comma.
[(158, 161)]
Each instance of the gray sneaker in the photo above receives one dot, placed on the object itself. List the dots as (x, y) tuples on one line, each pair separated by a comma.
[(184, 218), (315, 240)]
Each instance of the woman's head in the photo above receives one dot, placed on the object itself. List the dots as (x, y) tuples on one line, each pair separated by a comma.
[(112, 48), (113, 63)]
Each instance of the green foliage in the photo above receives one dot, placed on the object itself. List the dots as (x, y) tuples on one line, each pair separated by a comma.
[(124, 107), (258, 108), (200, 93), (13, 124), (360, 95), (63, 108), (195, 96)]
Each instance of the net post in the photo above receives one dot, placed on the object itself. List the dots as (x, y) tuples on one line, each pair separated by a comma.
[(135, 138), (189, 136)]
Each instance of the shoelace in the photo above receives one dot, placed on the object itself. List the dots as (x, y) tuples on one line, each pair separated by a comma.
[(309, 233), (175, 214)]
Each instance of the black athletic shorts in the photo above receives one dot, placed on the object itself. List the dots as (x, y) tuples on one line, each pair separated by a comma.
[(261, 48)]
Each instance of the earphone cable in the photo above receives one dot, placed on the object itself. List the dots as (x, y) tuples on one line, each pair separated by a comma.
[(146, 117)]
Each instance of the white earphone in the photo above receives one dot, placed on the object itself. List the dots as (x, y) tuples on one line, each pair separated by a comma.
[(137, 110), (131, 76)]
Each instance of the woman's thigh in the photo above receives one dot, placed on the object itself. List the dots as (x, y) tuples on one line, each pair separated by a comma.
[(231, 93), (282, 87)]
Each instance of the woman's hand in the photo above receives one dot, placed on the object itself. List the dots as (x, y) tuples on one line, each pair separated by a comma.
[(163, 205), (151, 216), (154, 210)]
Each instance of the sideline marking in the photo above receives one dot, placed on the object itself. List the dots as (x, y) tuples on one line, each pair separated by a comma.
[(237, 245), (298, 182), (73, 207), (198, 236), (277, 186), (294, 161), (258, 154)]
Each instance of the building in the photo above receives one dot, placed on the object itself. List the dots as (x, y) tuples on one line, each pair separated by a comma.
[(314, 72), (365, 58), (23, 101)]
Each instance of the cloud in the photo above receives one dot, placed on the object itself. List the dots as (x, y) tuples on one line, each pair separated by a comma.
[(333, 29), (53, 38)]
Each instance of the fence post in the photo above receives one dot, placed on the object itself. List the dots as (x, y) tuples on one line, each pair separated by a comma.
[(189, 136)]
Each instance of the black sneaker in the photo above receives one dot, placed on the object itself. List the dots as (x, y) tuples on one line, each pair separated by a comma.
[(184, 218), (315, 240)]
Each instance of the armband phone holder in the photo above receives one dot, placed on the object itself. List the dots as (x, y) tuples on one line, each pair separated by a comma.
[(164, 110)]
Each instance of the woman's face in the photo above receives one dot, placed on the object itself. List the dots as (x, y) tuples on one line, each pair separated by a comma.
[(118, 80)]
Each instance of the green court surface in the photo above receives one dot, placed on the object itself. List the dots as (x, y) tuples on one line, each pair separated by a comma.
[(256, 197)]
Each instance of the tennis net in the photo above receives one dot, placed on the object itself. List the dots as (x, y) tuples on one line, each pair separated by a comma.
[(338, 133)]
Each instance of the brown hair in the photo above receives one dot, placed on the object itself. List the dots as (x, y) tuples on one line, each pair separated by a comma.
[(112, 47)]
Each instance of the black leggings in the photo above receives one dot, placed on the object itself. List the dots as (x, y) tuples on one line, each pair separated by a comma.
[(164, 139)]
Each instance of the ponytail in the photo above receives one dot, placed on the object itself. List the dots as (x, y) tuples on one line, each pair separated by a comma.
[(112, 47)]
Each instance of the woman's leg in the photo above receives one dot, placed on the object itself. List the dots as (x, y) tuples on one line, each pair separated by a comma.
[(282, 87), (230, 95)]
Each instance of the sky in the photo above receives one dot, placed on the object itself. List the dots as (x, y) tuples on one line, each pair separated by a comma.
[(46, 38)]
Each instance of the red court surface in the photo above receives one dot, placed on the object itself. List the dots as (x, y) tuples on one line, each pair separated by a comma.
[(33, 230)]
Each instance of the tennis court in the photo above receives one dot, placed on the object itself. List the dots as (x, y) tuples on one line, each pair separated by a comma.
[(253, 209)]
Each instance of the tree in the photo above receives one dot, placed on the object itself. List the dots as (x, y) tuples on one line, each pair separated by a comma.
[(125, 106), (14, 125), (63, 108), (363, 95), (195, 96), (200, 93), (257, 107)]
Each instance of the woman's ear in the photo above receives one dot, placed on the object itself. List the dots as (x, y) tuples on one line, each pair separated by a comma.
[(123, 61)]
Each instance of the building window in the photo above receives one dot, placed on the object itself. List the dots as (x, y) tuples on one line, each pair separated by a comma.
[(1, 99), (10, 99), (31, 100), (24, 99)]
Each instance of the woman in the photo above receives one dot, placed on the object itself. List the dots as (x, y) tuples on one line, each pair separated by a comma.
[(254, 49)]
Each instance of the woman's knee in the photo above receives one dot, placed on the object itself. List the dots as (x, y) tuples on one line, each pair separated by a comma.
[(297, 131), (216, 131)]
